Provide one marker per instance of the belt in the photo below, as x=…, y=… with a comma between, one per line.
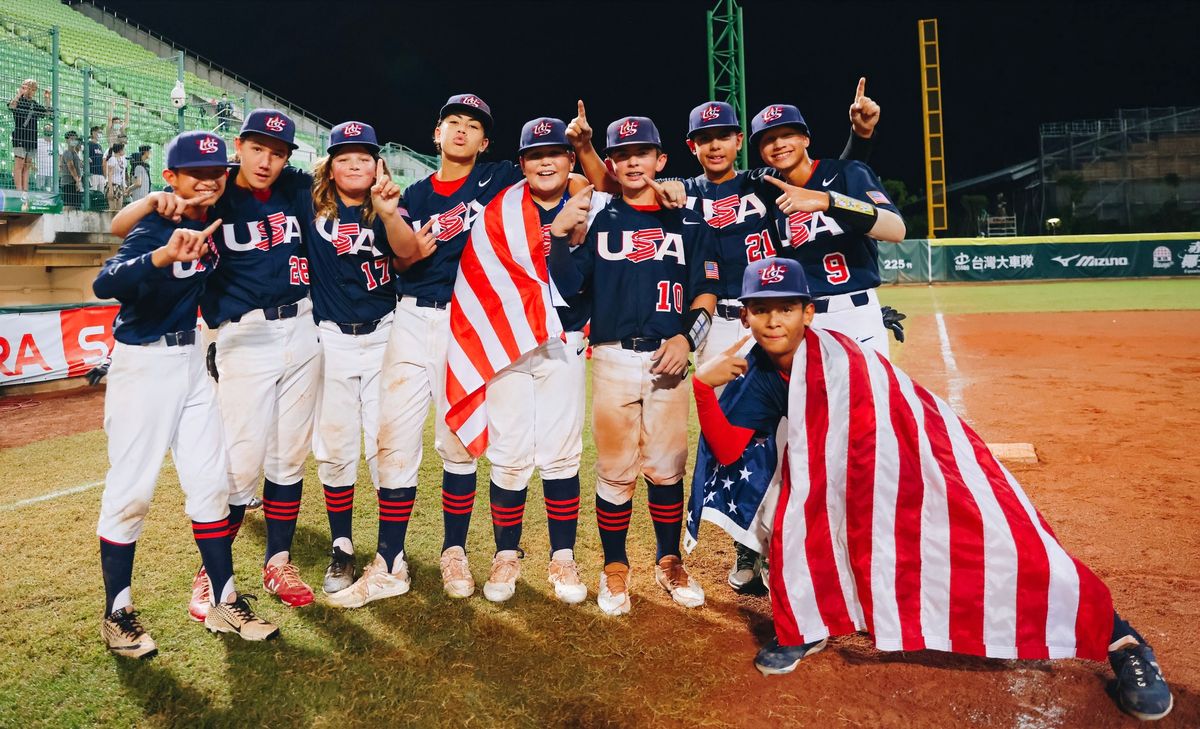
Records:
x=287, y=311
x=729, y=311
x=641, y=344
x=358, y=329
x=179, y=339
x=431, y=303
x=859, y=299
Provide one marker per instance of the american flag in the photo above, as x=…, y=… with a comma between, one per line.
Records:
x=711, y=271
x=501, y=308
x=895, y=518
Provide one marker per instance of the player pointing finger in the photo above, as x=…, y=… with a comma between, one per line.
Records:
x=724, y=368
x=579, y=131
x=864, y=112
x=797, y=199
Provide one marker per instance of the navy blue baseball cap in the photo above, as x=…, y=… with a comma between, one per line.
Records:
x=270, y=123
x=774, y=278
x=196, y=149
x=712, y=115
x=630, y=130
x=468, y=104
x=353, y=132
x=545, y=131
x=776, y=115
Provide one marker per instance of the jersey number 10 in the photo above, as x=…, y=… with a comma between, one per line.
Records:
x=669, y=294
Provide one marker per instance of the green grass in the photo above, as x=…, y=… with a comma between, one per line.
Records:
x=1105, y=295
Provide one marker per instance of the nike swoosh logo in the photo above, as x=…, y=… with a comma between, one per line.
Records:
x=831, y=179
x=690, y=222
x=867, y=339
x=484, y=183
x=579, y=351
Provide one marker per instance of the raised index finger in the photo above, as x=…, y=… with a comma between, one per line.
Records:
x=737, y=345
x=861, y=91
x=582, y=111
x=776, y=182
x=380, y=172
x=211, y=228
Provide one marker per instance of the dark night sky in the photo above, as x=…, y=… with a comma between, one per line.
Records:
x=1006, y=66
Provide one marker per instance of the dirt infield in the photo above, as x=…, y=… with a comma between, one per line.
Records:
x=1110, y=400
x=26, y=419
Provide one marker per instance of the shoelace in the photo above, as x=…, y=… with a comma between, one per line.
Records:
x=455, y=567
x=241, y=607
x=567, y=571
x=289, y=574
x=616, y=582
x=128, y=622
x=677, y=575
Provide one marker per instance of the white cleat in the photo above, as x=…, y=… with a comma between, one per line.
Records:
x=376, y=583
x=613, y=597
x=502, y=582
x=685, y=591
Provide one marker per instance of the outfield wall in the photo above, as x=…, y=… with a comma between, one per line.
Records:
x=1033, y=258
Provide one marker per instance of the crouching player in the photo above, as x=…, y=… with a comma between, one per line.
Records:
x=159, y=398
x=838, y=397
x=641, y=265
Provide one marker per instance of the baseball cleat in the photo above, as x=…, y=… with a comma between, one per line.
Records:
x=124, y=635
x=340, y=573
x=674, y=578
x=774, y=659
x=456, y=573
x=237, y=617
x=745, y=567
x=564, y=575
x=376, y=583
x=1141, y=690
x=282, y=579
x=613, y=597
x=201, y=596
x=254, y=503
x=502, y=582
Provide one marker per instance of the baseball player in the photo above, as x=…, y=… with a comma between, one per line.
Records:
x=778, y=309
x=353, y=300
x=535, y=406
x=268, y=357
x=158, y=398
x=829, y=216
x=642, y=266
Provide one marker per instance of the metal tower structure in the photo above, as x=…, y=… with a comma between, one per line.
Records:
x=931, y=105
x=727, y=63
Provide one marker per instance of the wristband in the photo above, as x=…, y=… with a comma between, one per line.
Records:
x=856, y=215
x=697, y=324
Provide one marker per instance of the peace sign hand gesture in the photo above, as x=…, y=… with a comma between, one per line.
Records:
x=184, y=245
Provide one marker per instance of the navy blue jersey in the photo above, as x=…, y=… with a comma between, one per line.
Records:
x=433, y=277
x=835, y=261
x=350, y=263
x=264, y=263
x=574, y=316
x=760, y=399
x=741, y=212
x=154, y=301
x=642, y=269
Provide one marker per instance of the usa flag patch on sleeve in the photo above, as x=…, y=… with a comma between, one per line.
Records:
x=878, y=197
x=711, y=271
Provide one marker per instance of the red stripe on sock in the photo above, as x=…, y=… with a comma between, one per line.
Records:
x=507, y=522
x=563, y=502
x=453, y=510
x=393, y=518
x=519, y=508
x=458, y=499
x=573, y=516
x=621, y=528
x=339, y=509
x=212, y=535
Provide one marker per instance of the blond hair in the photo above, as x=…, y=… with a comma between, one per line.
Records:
x=325, y=192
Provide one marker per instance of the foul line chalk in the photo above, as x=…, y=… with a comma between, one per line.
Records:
x=47, y=497
x=955, y=382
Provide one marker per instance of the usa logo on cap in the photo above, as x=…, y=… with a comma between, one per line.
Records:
x=208, y=145
x=628, y=128
x=275, y=124
x=472, y=101
x=710, y=113
x=541, y=129
x=352, y=130
x=771, y=113
x=772, y=274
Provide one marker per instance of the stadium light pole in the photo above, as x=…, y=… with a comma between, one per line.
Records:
x=727, y=62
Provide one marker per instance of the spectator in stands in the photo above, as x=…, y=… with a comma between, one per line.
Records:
x=114, y=176
x=44, y=170
x=224, y=114
x=140, y=164
x=26, y=112
x=95, y=160
x=118, y=128
x=70, y=172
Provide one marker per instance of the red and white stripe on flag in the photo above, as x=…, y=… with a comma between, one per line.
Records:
x=895, y=518
x=500, y=310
